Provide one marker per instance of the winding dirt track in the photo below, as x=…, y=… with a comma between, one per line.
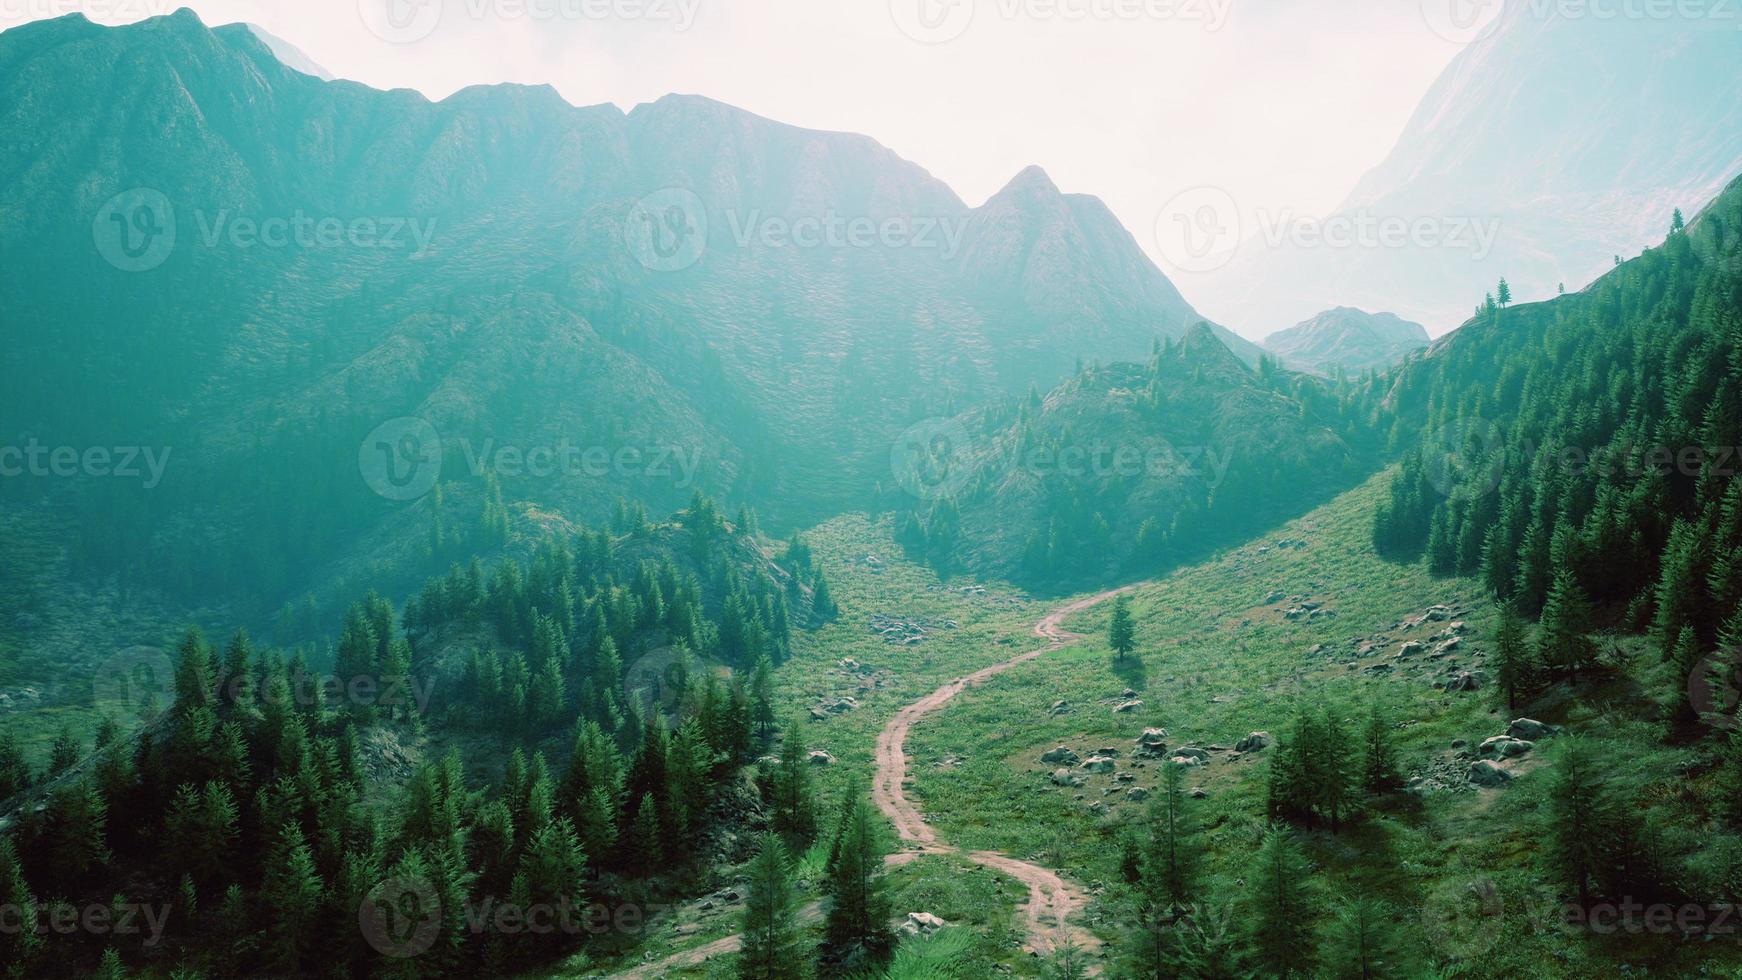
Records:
x=1052, y=901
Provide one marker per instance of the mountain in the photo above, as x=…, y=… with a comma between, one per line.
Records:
x=1131, y=467
x=316, y=271
x=1550, y=145
x=1347, y=339
x=287, y=53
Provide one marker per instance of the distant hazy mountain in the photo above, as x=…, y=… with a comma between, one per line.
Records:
x=286, y=52
x=1350, y=339
x=779, y=303
x=1570, y=139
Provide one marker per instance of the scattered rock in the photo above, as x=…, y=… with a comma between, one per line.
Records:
x=1468, y=680
x=1487, y=773
x=1059, y=708
x=818, y=757
x=1153, y=742
x=1137, y=794
x=1531, y=730
x=920, y=924
x=1098, y=764
x=1410, y=648
x=1275, y=597
x=1503, y=747
x=1252, y=742
x=1126, y=707
x=1437, y=614
x=1198, y=793
x=1061, y=756
x=1064, y=777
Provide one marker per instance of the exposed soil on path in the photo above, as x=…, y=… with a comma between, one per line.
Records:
x=1052, y=901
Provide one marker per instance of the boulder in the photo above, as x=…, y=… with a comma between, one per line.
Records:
x=1126, y=707
x=1098, y=764
x=1503, y=747
x=1137, y=794
x=1253, y=742
x=820, y=758
x=1153, y=742
x=1468, y=680
x=1438, y=614
x=1531, y=730
x=1410, y=648
x=1059, y=708
x=1060, y=756
x=920, y=924
x=1487, y=773
x=1064, y=777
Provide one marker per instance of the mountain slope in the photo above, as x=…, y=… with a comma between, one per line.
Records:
x=1347, y=339
x=1569, y=139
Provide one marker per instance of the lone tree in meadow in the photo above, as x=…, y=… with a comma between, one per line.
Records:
x=1122, y=632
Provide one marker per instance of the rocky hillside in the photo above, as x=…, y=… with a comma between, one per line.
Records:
x=1348, y=340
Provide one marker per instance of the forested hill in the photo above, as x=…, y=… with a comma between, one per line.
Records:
x=1584, y=448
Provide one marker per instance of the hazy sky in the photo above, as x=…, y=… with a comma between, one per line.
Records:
x=1282, y=103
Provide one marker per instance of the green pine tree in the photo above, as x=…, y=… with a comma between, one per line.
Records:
x=771, y=948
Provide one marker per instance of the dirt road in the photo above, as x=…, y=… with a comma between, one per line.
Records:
x=1052, y=901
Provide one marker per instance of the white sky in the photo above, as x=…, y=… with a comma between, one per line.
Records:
x=1282, y=103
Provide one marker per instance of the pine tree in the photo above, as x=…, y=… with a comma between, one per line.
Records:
x=195, y=672
x=856, y=933
x=762, y=697
x=793, y=799
x=1379, y=772
x=1282, y=907
x=771, y=940
x=1514, y=667
x=1563, y=642
x=1166, y=876
x=291, y=892
x=645, y=855
x=1360, y=941
x=1577, y=815
x=76, y=832
x=65, y=753
x=1121, y=631
x=15, y=774
x=19, y=941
